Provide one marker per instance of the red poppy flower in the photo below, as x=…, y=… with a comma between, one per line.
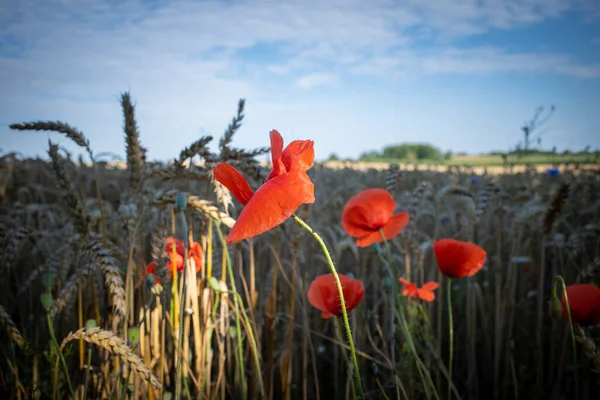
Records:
x=584, y=304
x=324, y=295
x=176, y=259
x=457, y=259
x=367, y=212
x=285, y=189
x=425, y=293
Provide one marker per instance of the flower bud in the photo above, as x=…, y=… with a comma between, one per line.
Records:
x=133, y=334
x=47, y=301
x=180, y=201
x=556, y=308
x=90, y=323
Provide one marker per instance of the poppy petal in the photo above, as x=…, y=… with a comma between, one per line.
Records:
x=299, y=154
x=429, y=286
x=584, y=304
x=276, y=152
x=404, y=281
x=367, y=211
x=323, y=294
x=395, y=225
x=458, y=259
x=315, y=294
x=426, y=295
x=273, y=203
x=231, y=178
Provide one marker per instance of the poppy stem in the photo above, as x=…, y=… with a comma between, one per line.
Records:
x=393, y=306
x=555, y=282
x=342, y=302
x=180, y=203
x=451, y=334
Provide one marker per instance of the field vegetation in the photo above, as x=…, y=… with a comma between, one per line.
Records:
x=120, y=283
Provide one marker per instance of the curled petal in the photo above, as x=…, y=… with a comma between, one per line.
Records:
x=299, y=154
x=234, y=181
x=458, y=259
x=367, y=211
x=272, y=204
x=279, y=167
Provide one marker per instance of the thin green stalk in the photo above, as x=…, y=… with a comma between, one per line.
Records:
x=451, y=334
x=420, y=366
x=403, y=322
x=555, y=281
x=87, y=371
x=393, y=306
x=60, y=354
x=180, y=203
x=342, y=302
x=338, y=332
x=237, y=306
x=215, y=285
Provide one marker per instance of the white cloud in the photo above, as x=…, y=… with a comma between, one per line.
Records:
x=315, y=80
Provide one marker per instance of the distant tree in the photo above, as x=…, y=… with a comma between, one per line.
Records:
x=532, y=126
x=448, y=155
x=333, y=157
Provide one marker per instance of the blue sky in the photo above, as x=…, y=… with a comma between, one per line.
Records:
x=353, y=75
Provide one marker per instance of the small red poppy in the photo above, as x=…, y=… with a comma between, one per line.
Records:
x=369, y=211
x=176, y=259
x=324, y=295
x=457, y=259
x=285, y=189
x=425, y=293
x=584, y=303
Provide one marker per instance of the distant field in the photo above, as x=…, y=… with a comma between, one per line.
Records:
x=492, y=160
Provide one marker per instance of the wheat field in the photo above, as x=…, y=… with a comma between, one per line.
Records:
x=79, y=317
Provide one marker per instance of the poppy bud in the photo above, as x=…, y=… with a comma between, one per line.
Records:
x=555, y=307
x=90, y=323
x=214, y=283
x=133, y=334
x=180, y=202
x=47, y=301
x=150, y=281
x=48, y=280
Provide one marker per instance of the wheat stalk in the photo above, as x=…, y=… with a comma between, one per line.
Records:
x=11, y=328
x=115, y=346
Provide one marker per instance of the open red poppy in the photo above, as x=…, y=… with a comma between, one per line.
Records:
x=324, y=295
x=285, y=189
x=176, y=259
x=425, y=293
x=584, y=304
x=457, y=259
x=369, y=211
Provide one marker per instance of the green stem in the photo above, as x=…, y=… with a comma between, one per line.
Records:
x=237, y=306
x=403, y=324
x=87, y=371
x=60, y=354
x=342, y=302
x=555, y=281
x=180, y=208
x=250, y=337
x=338, y=332
x=451, y=334
x=392, y=304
